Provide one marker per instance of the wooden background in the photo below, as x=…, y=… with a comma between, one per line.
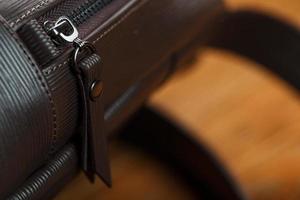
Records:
x=248, y=117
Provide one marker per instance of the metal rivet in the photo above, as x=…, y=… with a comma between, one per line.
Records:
x=96, y=90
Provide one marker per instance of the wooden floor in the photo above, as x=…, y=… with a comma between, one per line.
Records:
x=248, y=117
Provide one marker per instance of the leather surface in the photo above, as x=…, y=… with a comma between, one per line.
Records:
x=130, y=45
x=95, y=151
x=54, y=175
x=17, y=12
x=149, y=32
x=33, y=188
x=27, y=115
x=127, y=64
x=38, y=42
x=132, y=50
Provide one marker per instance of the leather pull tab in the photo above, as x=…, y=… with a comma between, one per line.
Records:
x=95, y=148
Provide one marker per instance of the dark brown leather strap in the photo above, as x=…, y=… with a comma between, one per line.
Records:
x=174, y=145
x=264, y=39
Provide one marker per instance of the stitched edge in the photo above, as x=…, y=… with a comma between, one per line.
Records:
x=56, y=67
x=112, y=27
x=29, y=12
x=42, y=83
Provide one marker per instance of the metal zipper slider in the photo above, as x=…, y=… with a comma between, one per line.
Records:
x=87, y=67
x=62, y=31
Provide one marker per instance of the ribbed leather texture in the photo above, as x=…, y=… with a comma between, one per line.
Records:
x=54, y=175
x=63, y=85
x=27, y=118
x=38, y=42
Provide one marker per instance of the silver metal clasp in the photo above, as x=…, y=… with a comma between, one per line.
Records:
x=63, y=30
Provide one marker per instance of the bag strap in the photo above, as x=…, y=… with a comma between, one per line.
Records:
x=264, y=39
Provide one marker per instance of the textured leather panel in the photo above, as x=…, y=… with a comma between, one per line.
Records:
x=38, y=42
x=27, y=119
x=62, y=83
x=56, y=173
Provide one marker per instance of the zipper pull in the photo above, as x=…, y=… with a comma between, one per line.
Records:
x=86, y=65
x=90, y=79
x=62, y=31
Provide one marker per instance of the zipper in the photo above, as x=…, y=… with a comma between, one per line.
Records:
x=84, y=12
x=86, y=65
x=77, y=14
x=43, y=44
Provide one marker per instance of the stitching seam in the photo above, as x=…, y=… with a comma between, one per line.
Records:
x=44, y=87
x=29, y=12
x=54, y=68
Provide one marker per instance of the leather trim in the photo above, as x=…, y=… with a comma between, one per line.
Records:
x=16, y=12
x=30, y=12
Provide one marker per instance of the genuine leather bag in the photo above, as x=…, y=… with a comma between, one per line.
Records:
x=53, y=115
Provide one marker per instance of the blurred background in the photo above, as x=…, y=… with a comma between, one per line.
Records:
x=246, y=116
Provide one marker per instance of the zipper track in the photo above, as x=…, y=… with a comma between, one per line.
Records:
x=78, y=14
x=87, y=10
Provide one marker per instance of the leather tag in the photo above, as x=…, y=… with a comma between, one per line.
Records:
x=95, y=148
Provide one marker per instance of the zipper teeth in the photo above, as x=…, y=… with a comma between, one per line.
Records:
x=75, y=10
x=87, y=10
